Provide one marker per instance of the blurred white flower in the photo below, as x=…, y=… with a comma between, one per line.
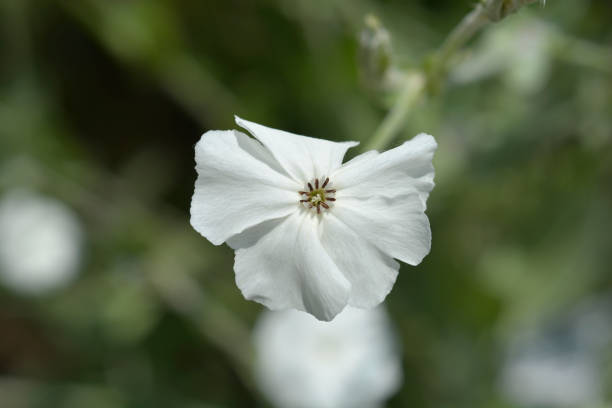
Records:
x=311, y=233
x=40, y=242
x=561, y=364
x=352, y=362
x=558, y=380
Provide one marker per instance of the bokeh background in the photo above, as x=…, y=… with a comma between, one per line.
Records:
x=102, y=102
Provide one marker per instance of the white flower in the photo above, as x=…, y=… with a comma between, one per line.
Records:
x=311, y=233
x=40, y=243
x=562, y=362
x=351, y=362
x=538, y=379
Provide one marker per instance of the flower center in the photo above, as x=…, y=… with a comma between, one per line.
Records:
x=318, y=196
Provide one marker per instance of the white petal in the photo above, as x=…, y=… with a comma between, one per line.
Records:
x=289, y=268
x=304, y=158
x=398, y=171
x=258, y=151
x=237, y=186
x=397, y=226
x=251, y=236
x=370, y=272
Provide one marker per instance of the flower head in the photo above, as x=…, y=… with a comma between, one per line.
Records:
x=40, y=243
x=311, y=233
x=350, y=362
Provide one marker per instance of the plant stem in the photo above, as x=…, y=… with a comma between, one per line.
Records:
x=217, y=324
x=584, y=53
x=485, y=12
x=413, y=88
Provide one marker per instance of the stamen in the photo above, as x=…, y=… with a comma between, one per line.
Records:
x=317, y=196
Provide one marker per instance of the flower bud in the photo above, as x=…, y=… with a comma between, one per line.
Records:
x=375, y=54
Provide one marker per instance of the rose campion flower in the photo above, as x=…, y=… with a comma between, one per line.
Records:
x=352, y=362
x=40, y=243
x=311, y=233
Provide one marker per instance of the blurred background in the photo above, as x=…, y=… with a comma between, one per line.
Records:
x=108, y=297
